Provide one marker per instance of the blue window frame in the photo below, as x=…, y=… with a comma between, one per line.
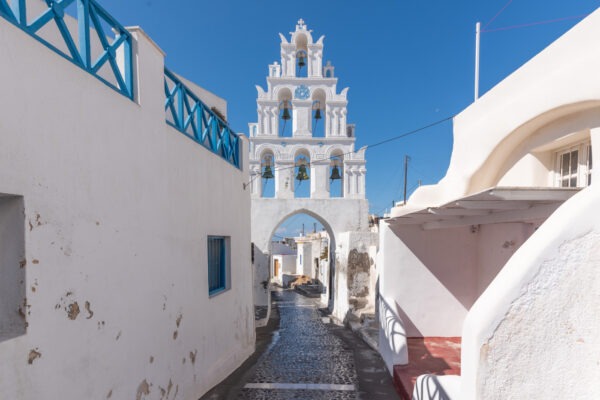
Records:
x=218, y=263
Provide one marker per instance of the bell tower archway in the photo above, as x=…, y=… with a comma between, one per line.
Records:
x=314, y=162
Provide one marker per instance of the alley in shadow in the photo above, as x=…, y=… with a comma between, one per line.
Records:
x=300, y=355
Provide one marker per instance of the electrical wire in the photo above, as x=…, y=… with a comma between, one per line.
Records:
x=497, y=14
x=550, y=21
x=393, y=138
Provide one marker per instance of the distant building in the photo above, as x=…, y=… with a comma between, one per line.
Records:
x=503, y=251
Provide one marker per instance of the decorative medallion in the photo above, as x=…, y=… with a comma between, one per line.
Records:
x=302, y=92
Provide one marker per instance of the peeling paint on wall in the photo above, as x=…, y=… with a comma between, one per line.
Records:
x=35, y=261
x=175, y=335
x=109, y=395
x=178, y=320
x=73, y=311
x=193, y=356
x=33, y=355
x=165, y=393
x=358, y=273
x=90, y=312
x=143, y=389
x=151, y=359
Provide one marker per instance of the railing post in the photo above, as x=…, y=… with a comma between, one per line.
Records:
x=127, y=65
x=19, y=9
x=180, y=94
x=83, y=22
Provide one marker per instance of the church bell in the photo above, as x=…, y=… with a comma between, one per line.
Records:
x=267, y=173
x=302, y=175
x=335, y=173
x=318, y=114
x=286, y=112
x=301, y=60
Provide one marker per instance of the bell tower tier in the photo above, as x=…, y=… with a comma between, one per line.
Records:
x=302, y=131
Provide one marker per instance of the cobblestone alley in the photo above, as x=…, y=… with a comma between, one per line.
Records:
x=307, y=358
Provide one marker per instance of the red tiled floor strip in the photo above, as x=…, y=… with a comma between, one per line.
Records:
x=430, y=355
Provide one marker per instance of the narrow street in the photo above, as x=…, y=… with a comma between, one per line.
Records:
x=300, y=355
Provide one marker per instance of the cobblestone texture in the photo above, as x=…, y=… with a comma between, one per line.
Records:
x=304, y=351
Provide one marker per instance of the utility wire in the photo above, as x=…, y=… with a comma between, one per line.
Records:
x=370, y=146
x=497, y=14
x=550, y=21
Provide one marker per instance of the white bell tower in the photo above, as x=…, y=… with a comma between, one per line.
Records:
x=301, y=98
x=302, y=151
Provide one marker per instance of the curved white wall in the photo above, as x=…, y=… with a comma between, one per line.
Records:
x=534, y=332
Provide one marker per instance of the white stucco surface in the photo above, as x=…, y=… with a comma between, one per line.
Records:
x=533, y=333
x=118, y=206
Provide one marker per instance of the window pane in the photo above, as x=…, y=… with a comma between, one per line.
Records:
x=573, y=182
x=565, y=161
x=216, y=263
x=574, y=161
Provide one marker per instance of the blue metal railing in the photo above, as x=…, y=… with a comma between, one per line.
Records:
x=189, y=115
x=90, y=18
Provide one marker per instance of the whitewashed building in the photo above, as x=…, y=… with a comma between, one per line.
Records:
x=302, y=131
x=121, y=274
x=504, y=250
x=283, y=261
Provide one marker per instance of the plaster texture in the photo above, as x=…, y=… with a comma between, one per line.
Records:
x=115, y=216
x=531, y=333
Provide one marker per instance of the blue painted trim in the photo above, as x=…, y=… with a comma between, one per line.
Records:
x=217, y=268
x=7, y=11
x=189, y=113
x=87, y=11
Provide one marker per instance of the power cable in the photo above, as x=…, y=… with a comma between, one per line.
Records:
x=550, y=21
x=393, y=138
x=497, y=14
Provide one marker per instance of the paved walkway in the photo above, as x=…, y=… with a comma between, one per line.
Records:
x=307, y=358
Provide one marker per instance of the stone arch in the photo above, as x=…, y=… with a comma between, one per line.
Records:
x=282, y=91
x=333, y=240
x=539, y=130
x=335, y=151
x=302, y=40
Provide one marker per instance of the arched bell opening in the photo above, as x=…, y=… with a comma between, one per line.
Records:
x=336, y=174
x=301, y=56
x=318, y=113
x=285, y=112
x=302, y=174
x=267, y=174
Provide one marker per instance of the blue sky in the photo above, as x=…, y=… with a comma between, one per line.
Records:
x=407, y=63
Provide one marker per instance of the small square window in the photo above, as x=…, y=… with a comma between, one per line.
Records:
x=218, y=264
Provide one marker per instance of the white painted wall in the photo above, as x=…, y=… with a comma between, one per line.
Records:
x=349, y=244
x=533, y=333
x=12, y=267
x=289, y=264
x=123, y=218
